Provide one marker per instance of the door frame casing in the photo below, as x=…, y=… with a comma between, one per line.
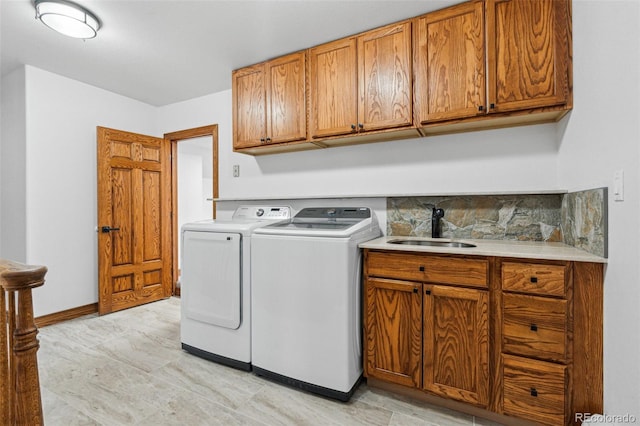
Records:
x=173, y=138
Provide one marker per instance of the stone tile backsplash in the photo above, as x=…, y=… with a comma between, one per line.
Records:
x=584, y=220
x=578, y=219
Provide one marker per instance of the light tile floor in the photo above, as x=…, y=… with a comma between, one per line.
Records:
x=127, y=368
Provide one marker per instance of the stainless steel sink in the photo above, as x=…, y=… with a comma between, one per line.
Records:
x=432, y=243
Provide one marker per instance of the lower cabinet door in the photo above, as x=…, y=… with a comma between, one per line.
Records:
x=456, y=343
x=393, y=325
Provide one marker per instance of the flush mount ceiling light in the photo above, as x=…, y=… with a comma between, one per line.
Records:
x=67, y=18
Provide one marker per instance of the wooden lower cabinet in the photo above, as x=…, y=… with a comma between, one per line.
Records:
x=394, y=326
x=522, y=340
x=456, y=343
x=535, y=390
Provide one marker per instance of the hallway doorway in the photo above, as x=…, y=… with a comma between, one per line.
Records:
x=194, y=182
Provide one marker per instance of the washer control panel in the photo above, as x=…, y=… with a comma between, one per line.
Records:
x=334, y=213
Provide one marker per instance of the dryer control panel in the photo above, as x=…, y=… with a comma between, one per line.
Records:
x=262, y=212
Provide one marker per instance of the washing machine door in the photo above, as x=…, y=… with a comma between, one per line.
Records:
x=210, y=282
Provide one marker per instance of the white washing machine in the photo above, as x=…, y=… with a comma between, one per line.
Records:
x=215, y=284
x=306, y=299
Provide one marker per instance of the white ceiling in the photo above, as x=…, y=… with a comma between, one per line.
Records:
x=166, y=51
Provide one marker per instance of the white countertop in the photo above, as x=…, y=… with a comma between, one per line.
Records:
x=500, y=248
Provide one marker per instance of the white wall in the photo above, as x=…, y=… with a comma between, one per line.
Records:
x=61, y=195
x=193, y=190
x=499, y=160
x=602, y=136
x=190, y=189
x=12, y=168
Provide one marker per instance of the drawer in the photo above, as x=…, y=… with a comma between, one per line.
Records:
x=427, y=268
x=548, y=280
x=534, y=326
x=534, y=390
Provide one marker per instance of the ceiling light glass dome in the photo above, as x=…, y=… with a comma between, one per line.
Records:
x=67, y=18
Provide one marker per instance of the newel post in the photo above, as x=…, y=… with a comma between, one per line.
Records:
x=21, y=396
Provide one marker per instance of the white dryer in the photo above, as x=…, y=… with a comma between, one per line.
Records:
x=215, y=284
x=306, y=299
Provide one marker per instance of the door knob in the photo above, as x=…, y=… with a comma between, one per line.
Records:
x=107, y=229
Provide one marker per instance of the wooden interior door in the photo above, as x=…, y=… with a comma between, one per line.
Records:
x=134, y=219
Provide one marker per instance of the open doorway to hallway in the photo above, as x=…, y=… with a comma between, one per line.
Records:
x=194, y=180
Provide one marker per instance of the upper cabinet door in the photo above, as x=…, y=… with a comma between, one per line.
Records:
x=450, y=63
x=529, y=45
x=384, y=78
x=333, y=88
x=249, y=107
x=286, y=99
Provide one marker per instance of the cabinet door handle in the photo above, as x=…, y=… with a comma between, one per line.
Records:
x=534, y=392
x=492, y=106
x=427, y=292
x=268, y=139
x=361, y=126
x=353, y=127
x=415, y=289
x=261, y=140
x=421, y=268
x=533, y=327
x=480, y=108
x=534, y=279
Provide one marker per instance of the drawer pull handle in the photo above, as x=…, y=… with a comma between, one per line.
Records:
x=534, y=392
x=415, y=289
x=534, y=279
x=427, y=292
x=422, y=269
x=534, y=327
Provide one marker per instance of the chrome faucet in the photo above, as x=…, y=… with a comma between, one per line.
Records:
x=436, y=215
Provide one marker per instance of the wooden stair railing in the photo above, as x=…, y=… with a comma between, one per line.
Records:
x=20, y=399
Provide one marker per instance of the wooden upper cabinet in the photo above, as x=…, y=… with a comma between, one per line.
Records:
x=492, y=57
x=450, y=63
x=478, y=64
x=269, y=102
x=362, y=83
x=249, y=108
x=529, y=49
x=333, y=84
x=384, y=78
x=286, y=98
x=456, y=343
